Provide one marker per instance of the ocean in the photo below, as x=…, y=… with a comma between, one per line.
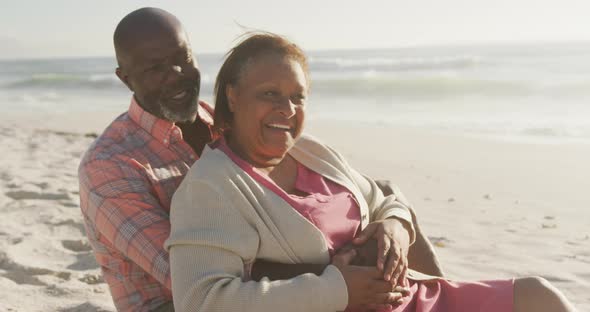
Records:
x=537, y=92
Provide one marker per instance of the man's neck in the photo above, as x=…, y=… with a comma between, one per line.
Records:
x=145, y=108
x=196, y=134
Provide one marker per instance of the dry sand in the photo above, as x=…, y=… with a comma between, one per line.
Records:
x=494, y=209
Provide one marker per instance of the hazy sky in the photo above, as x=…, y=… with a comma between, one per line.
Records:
x=62, y=28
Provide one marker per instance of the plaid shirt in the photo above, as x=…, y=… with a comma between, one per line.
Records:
x=127, y=179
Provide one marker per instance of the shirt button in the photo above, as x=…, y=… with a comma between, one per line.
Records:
x=165, y=140
x=192, y=157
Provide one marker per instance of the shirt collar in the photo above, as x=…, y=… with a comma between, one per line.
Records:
x=159, y=128
x=163, y=130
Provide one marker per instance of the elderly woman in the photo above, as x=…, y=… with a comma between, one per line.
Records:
x=266, y=192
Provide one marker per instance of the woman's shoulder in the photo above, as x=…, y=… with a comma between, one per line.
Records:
x=213, y=164
x=206, y=181
x=310, y=146
x=309, y=141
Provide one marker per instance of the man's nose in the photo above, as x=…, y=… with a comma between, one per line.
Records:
x=177, y=69
x=177, y=72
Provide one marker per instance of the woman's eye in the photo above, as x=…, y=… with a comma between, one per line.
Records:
x=298, y=99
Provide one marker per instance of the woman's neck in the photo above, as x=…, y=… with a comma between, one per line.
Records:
x=281, y=170
x=261, y=162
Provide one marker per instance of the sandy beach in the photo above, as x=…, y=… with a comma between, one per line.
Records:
x=494, y=209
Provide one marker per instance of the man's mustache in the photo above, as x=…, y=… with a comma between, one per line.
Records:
x=190, y=85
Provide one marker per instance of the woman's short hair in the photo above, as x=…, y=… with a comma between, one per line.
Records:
x=252, y=46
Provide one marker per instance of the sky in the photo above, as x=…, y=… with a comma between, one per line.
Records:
x=74, y=28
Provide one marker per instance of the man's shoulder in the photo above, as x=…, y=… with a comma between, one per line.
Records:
x=206, y=112
x=118, y=140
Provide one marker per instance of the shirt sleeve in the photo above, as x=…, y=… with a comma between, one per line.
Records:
x=120, y=207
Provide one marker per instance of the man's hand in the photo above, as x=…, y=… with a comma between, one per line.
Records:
x=364, y=284
x=393, y=243
x=422, y=256
x=367, y=254
x=275, y=271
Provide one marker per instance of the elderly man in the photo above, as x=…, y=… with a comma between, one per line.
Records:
x=129, y=174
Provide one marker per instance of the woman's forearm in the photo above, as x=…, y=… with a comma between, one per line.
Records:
x=208, y=279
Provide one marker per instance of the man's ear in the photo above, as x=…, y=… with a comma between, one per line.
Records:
x=230, y=93
x=123, y=77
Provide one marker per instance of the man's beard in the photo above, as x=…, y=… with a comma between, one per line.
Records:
x=185, y=114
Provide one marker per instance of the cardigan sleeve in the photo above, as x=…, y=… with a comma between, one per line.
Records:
x=210, y=245
x=381, y=207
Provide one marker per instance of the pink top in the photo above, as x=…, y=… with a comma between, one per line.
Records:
x=334, y=211
x=329, y=206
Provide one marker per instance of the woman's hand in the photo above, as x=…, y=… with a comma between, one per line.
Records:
x=393, y=243
x=364, y=284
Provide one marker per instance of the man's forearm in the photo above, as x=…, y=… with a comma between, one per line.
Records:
x=280, y=271
x=421, y=256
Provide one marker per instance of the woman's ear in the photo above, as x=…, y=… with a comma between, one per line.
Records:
x=230, y=93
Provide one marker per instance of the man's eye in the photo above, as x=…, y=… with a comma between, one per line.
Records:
x=157, y=68
x=270, y=93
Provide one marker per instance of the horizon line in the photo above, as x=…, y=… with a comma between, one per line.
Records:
x=498, y=43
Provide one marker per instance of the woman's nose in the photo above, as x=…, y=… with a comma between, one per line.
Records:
x=286, y=107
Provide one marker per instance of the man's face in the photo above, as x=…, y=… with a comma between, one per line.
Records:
x=163, y=75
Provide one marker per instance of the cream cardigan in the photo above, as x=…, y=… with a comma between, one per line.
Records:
x=222, y=220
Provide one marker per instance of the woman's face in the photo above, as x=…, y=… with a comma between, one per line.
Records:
x=268, y=105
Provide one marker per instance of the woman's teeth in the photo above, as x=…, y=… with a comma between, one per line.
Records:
x=277, y=126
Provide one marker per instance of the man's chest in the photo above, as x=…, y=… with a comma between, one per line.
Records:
x=165, y=169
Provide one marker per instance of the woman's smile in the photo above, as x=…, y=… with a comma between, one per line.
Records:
x=268, y=106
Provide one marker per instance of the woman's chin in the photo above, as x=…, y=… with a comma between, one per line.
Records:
x=275, y=154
